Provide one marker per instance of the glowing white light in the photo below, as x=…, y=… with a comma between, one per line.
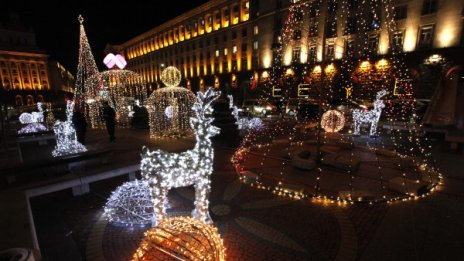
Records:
x=164, y=170
x=33, y=120
x=371, y=117
x=66, y=140
x=111, y=60
x=130, y=204
x=244, y=123
x=169, y=112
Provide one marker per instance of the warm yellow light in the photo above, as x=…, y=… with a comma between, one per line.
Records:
x=330, y=69
x=265, y=75
x=317, y=69
x=382, y=65
x=410, y=40
x=289, y=72
x=365, y=66
x=267, y=59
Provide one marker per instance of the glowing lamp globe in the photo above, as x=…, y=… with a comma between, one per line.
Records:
x=130, y=204
x=171, y=76
x=181, y=238
x=332, y=121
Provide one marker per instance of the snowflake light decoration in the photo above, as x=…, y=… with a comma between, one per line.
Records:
x=66, y=140
x=371, y=117
x=33, y=120
x=332, y=121
x=170, y=108
x=130, y=204
x=164, y=170
x=181, y=238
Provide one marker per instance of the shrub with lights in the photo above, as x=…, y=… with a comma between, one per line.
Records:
x=33, y=121
x=170, y=108
x=163, y=170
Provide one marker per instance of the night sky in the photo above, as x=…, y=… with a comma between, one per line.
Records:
x=57, y=28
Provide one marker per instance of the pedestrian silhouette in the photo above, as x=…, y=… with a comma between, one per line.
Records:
x=80, y=125
x=109, y=115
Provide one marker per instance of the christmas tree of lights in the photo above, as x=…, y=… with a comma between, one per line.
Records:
x=86, y=67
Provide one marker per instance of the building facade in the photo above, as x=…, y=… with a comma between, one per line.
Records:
x=232, y=43
x=26, y=72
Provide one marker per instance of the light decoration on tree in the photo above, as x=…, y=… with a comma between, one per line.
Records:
x=33, y=120
x=86, y=68
x=66, y=140
x=130, y=204
x=50, y=119
x=181, y=238
x=120, y=88
x=170, y=108
x=244, y=123
x=371, y=117
x=164, y=170
x=332, y=121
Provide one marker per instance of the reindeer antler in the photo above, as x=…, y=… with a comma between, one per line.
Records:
x=204, y=100
x=380, y=94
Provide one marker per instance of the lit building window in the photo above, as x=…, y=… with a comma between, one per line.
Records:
x=234, y=49
x=255, y=45
x=226, y=51
x=401, y=12
x=425, y=36
x=373, y=42
x=330, y=54
x=217, y=53
x=255, y=30
x=398, y=38
x=296, y=55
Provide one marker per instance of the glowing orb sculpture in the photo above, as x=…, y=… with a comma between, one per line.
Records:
x=332, y=121
x=66, y=140
x=171, y=76
x=164, y=170
x=170, y=108
x=130, y=204
x=371, y=117
x=181, y=238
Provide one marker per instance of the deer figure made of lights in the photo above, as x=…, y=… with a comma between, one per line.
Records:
x=66, y=141
x=372, y=116
x=164, y=170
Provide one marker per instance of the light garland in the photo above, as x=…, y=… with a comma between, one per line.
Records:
x=371, y=117
x=121, y=88
x=332, y=121
x=130, y=204
x=181, y=238
x=244, y=123
x=170, y=108
x=33, y=120
x=66, y=140
x=164, y=170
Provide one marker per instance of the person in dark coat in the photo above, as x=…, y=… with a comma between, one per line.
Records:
x=80, y=125
x=109, y=115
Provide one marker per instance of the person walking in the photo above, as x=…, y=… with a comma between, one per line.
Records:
x=80, y=125
x=109, y=115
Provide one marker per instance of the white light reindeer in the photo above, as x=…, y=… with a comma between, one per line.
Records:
x=164, y=170
x=372, y=116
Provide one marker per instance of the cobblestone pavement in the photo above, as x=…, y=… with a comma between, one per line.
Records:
x=256, y=225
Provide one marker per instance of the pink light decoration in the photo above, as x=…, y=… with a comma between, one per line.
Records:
x=111, y=60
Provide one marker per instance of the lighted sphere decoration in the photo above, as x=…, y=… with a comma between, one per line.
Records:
x=130, y=204
x=181, y=238
x=332, y=121
x=170, y=108
x=121, y=88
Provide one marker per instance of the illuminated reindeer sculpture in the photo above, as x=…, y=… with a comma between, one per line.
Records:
x=164, y=170
x=372, y=116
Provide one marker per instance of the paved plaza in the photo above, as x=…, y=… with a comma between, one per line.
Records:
x=256, y=224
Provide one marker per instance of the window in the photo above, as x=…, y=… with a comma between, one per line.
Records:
x=234, y=35
x=244, y=32
x=296, y=53
x=332, y=6
x=350, y=47
x=225, y=66
x=224, y=38
x=312, y=12
x=425, y=36
x=234, y=65
x=351, y=25
x=352, y=4
x=312, y=30
x=373, y=42
x=429, y=7
x=312, y=55
x=217, y=53
x=234, y=49
x=401, y=12
x=331, y=29
x=244, y=48
x=255, y=45
x=398, y=40
x=330, y=51
x=244, y=64
x=297, y=35
x=255, y=30
x=299, y=16
x=226, y=51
